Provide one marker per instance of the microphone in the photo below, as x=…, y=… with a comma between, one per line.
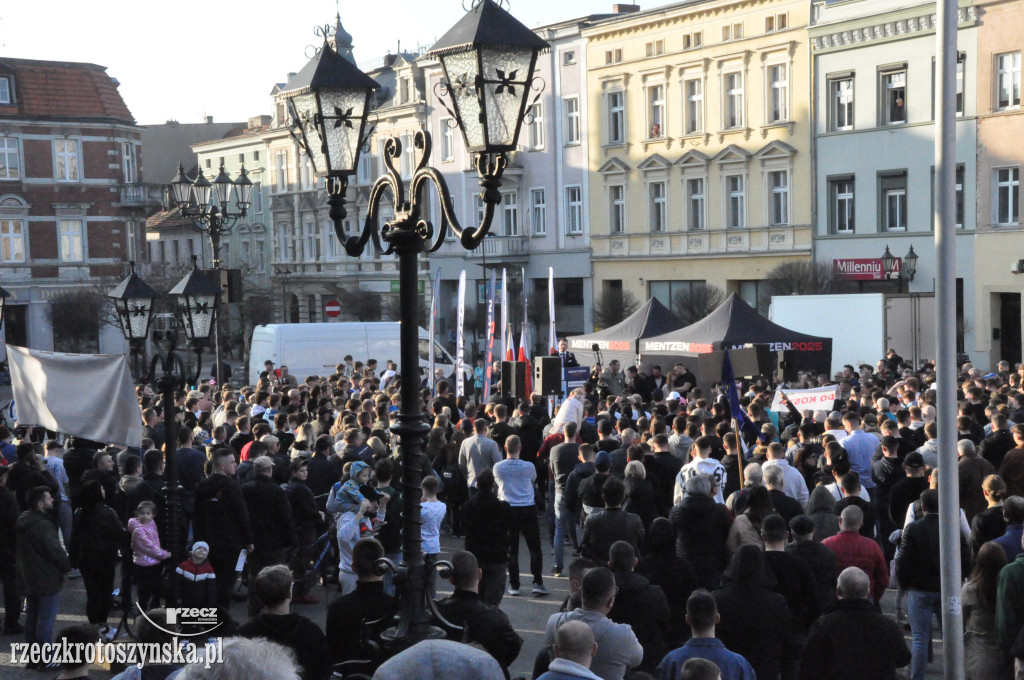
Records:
x=597, y=353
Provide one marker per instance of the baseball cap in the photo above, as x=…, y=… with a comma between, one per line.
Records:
x=602, y=460
x=914, y=459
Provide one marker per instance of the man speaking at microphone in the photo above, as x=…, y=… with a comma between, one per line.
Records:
x=568, y=358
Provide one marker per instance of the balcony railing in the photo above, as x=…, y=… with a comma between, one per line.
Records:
x=513, y=247
x=142, y=195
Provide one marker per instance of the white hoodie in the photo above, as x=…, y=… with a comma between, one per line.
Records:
x=700, y=466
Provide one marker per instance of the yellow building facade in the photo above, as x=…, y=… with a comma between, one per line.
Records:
x=700, y=138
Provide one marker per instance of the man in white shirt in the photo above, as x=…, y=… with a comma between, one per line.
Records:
x=515, y=479
x=795, y=485
x=352, y=526
x=702, y=464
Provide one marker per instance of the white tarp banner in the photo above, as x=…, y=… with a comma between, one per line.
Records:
x=818, y=399
x=86, y=395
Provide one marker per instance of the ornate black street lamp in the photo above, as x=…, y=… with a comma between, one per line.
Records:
x=910, y=264
x=488, y=60
x=196, y=298
x=908, y=267
x=214, y=218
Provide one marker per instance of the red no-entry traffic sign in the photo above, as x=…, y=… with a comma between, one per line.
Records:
x=332, y=308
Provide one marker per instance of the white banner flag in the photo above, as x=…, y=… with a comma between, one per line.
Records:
x=506, y=340
x=551, y=310
x=435, y=294
x=52, y=389
x=818, y=399
x=460, y=342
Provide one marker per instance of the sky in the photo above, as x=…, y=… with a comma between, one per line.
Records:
x=186, y=59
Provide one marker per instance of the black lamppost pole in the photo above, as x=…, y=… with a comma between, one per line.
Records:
x=284, y=273
x=488, y=59
x=192, y=198
x=196, y=297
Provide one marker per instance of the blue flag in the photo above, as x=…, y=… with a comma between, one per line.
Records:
x=729, y=380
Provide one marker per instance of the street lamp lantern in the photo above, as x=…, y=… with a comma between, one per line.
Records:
x=133, y=299
x=181, y=187
x=243, y=191
x=201, y=189
x=910, y=264
x=888, y=263
x=197, y=296
x=329, y=102
x=222, y=186
x=488, y=59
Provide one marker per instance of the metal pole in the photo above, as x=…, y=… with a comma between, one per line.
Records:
x=166, y=385
x=215, y=224
x=414, y=620
x=945, y=364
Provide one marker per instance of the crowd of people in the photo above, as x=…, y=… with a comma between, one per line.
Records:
x=695, y=545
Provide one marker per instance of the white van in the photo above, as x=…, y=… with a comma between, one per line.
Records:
x=316, y=348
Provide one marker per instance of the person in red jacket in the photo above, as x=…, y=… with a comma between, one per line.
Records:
x=854, y=550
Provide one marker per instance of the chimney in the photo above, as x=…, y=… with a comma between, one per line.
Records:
x=209, y=120
x=625, y=9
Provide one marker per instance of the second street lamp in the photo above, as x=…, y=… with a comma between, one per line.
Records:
x=214, y=218
x=488, y=59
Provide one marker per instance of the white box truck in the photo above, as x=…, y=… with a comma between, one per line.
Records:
x=316, y=348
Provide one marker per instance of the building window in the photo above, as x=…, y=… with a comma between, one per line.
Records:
x=656, y=111
x=781, y=22
x=613, y=56
x=306, y=170
x=695, y=204
x=572, y=120
x=537, y=126
x=894, y=97
x=281, y=175
x=67, y=159
x=12, y=241
x=655, y=48
x=478, y=208
x=130, y=228
x=405, y=93
x=569, y=57
x=841, y=205
x=538, y=212
x=736, y=198
x=10, y=163
x=129, y=163
x=778, y=182
x=732, y=32
x=733, y=100
x=840, y=108
x=310, y=242
x=1007, y=201
x=959, y=196
x=657, y=206
x=726, y=33
x=257, y=197
x=778, y=93
x=447, y=139
x=573, y=210
x=1008, y=80
x=6, y=91
x=893, y=189
x=616, y=117
x=72, y=241
x=769, y=24
x=510, y=213
x=617, y=208
x=694, y=106
x=406, y=160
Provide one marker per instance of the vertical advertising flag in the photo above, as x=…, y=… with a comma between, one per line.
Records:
x=489, y=343
x=551, y=310
x=434, y=297
x=524, y=339
x=506, y=336
x=460, y=342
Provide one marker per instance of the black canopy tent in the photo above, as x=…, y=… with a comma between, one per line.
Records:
x=736, y=324
x=622, y=340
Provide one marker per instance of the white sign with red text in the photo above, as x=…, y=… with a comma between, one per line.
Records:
x=818, y=399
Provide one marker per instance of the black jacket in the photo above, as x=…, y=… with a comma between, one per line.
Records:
x=917, y=563
x=270, y=514
x=530, y=435
x=564, y=458
x=321, y=478
x=305, y=516
x=678, y=580
x=994, y=447
x=640, y=500
x=755, y=624
x=486, y=521
x=297, y=633
x=345, y=617
x=852, y=642
x=484, y=624
x=8, y=521
x=702, y=527
x=824, y=569
x=795, y=582
x=645, y=608
x=221, y=517
x=97, y=536
x=573, y=498
x=604, y=528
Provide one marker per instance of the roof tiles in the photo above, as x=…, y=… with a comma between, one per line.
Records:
x=62, y=90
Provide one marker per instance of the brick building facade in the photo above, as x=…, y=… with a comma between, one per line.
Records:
x=72, y=205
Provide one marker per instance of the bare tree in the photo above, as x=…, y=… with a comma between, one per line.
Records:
x=802, y=277
x=75, y=316
x=612, y=306
x=696, y=303
x=361, y=306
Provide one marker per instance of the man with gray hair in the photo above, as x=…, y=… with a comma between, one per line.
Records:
x=854, y=550
x=753, y=476
x=795, y=486
x=775, y=480
x=620, y=455
x=854, y=635
x=702, y=527
x=244, y=658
